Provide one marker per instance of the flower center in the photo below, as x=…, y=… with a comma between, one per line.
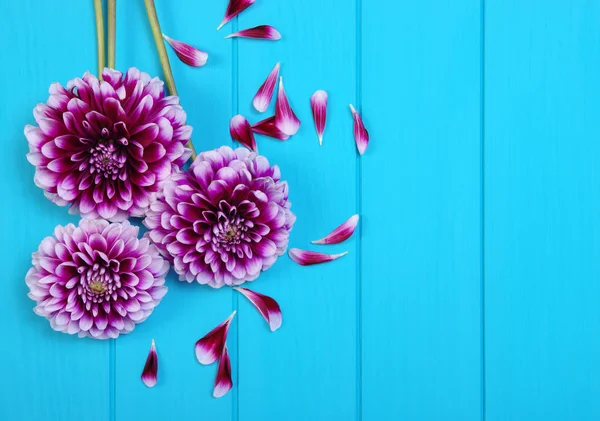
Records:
x=97, y=287
x=99, y=281
x=106, y=159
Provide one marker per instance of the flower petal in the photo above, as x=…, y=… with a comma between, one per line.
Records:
x=267, y=307
x=240, y=130
x=210, y=347
x=361, y=135
x=318, y=104
x=260, y=32
x=186, y=53
x=262, y=99
x=285, y=119
x=223, y=381
x=267, y=127
x=306, y=257
x=341, y=233
x=150, y=372
x=234, y=8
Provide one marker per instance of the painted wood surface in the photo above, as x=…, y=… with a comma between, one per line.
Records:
x=470, y=291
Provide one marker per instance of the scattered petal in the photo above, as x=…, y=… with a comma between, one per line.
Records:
x=267, y=127
x=241, y=131
x=186, y=53
x=262, y=99
x=306, y=257
x=318, y=103
x=210, y=347
x=234, y=8
x=261, y=32
x=151, y=367
x=361, y=135
x=341, y=233
x=267, y=307
x=285, y=119
x=223, y=381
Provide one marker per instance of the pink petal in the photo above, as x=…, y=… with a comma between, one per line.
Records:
x=261, y=32
x=240, y=130
x=318, y=103
x=267, y=127
x=361, y=135
x=151, y=367
x=306, y=258
x=341, y=233
x=186, y=53
x=234, y=8
x=223, y=381
x=210, y=347
x=262, y=99
x=285, y=119
x=267, y=307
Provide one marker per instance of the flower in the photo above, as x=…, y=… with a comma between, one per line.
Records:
x=107, y=147
x=97, y=279
x=224, y=220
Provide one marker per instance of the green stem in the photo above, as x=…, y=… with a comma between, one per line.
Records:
x=163, y=57
x=112, y=30
x=99, y=36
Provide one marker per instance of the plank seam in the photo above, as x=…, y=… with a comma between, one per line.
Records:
x=235, y=411
x=112, y=374
x=358, y=316
x=482, y=204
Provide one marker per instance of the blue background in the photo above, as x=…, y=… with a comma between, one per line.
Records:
x=471, y=291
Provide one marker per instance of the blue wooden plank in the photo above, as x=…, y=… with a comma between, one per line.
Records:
x=421, y=210
x=184, y=389
x=47, y=375
x=541, y=210
x=306, y=369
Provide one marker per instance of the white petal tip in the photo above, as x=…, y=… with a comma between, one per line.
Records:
x=320, y=140
x=352, y=109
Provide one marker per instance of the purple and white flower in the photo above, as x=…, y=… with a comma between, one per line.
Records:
x=106, y=147
x=97, y=279
x=224, y=220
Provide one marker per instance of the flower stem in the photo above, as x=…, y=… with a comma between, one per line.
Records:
x=163, y=57
x=112, y=30
x=99, y=35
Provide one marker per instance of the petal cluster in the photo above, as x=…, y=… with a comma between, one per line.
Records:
x=106, y=147
x=224, y=220
x=97, y=279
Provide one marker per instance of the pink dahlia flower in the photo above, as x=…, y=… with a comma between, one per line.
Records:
x=97, y=279
x=106, y=147
x=224, y=220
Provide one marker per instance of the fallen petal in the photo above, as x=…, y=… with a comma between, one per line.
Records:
x=186, y=53
x=262, y=99
x=240, y=130
x=341, y=233
x=306, y=257
x=151, y=367
x=223, y=381
x=267, y=127
x=234, y=8
x=318, y=103
x=267, y=307
x=361, y=135
x=261, y=32
x=210, y=347
x=285, y=119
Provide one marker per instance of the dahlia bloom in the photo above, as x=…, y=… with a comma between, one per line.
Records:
x=105, y=148
x=224, y=220
x=97, y=279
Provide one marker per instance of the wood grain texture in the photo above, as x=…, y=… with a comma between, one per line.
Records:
x=542, y=226
x=454, y=94
x=421, y=211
